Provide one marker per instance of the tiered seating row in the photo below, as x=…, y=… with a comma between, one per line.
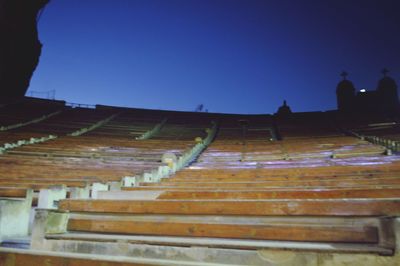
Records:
x=246, y=187
x=376, y=129
x=315, y=189
x=26, y=110
x=79, y=166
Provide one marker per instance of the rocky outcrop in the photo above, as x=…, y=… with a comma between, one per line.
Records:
x=20, y=47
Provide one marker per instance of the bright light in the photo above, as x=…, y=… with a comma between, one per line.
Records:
x=362, y=90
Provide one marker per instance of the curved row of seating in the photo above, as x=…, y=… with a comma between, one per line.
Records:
x=264, y=185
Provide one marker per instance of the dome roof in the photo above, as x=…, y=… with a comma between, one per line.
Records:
x=284, y=109
x=387, y=83
x=345, y=86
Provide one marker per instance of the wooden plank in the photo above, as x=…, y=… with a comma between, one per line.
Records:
x=305, y=171
x=13, y=192
x=367, y=234
x=43, y=180
x=216, y=178
x=15, y=257
x=284, y=194
x=41, y=184
x=244, y=207
x=288, y=187
x=266, y=184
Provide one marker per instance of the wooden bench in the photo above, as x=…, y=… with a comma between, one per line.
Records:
x=357, y=225
x=13, y=192
x=372, y=193
x=339, y=207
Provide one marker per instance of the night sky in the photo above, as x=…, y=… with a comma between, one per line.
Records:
x=232, y=56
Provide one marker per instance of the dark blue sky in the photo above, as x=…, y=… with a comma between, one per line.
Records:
x=232, y=56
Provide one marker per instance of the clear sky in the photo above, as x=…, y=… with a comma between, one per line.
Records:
x=232, y=56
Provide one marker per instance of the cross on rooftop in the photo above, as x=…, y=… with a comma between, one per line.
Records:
x=344, y=74
x=385, y=71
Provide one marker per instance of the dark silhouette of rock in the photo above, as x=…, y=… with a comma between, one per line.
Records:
x=20, y=47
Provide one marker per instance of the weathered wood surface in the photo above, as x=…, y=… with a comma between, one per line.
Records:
x=333, y=170
x=363, y=207
x=12, y=192
x=285, y=194
x=39, y=184
x=250, y=175
x=300, y=183
x=241, y=188
x=367, y=234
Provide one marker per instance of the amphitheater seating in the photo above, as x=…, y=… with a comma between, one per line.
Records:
x=223, y=226
x=377, y=129
x=105, y=154
x=247, y=188
x=26, y=110
x=298, y=183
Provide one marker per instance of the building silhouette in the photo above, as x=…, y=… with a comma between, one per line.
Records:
x=382, y=100
x=284, y=110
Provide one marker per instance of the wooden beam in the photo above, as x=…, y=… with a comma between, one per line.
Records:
x=305, y=171
x=288, y=187
x=273, y=183
x=284, y=194
x=13, y=192
x=295, y=178
x=41, y=184
x=367, y=234
x=244, y=207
